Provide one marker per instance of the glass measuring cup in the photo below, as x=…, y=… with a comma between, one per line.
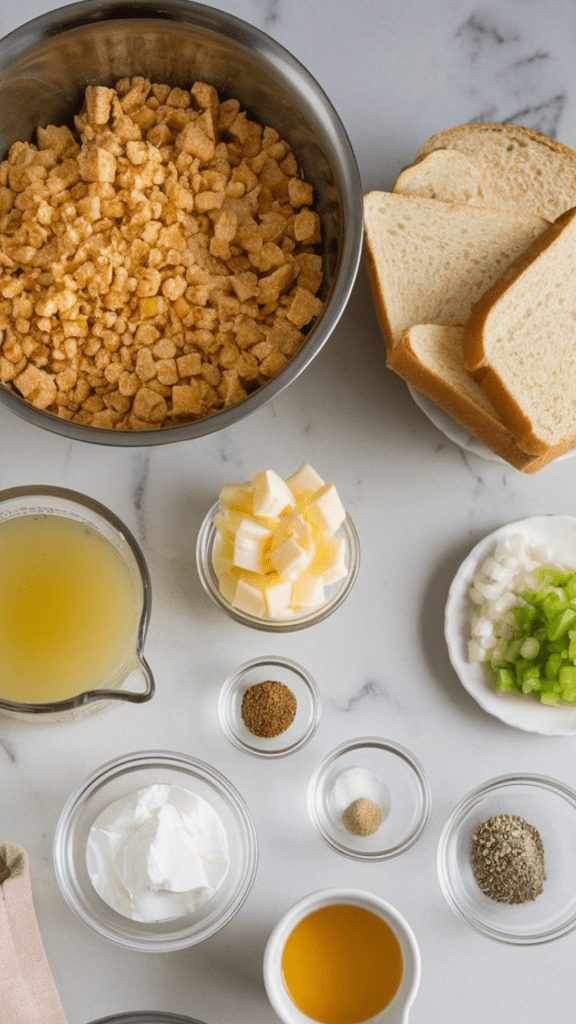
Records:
x=51, y=539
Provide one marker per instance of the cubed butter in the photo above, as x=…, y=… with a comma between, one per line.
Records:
x=249, y=545
x=238, y=496
x=307, y=591
x=271, y=494
x=290, y=558
x=325, y=509
x=249, y=598
x=305, y=480
x=276, y=548
x=277, y=597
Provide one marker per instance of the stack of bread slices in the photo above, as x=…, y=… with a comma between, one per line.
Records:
x=472, y=262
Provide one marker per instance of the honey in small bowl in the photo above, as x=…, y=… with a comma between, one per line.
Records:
x=342, y=956
x=342, y=964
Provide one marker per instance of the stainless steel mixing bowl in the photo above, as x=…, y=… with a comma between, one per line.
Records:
x=45, y=66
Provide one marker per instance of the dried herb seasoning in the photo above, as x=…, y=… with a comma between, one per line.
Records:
x=508, y=859
x=268, y=708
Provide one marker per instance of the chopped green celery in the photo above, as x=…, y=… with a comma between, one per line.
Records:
x=559, y=624
x=551, y=575
x=530, y=648
x=504, y=679
x=567, y=680
x=531, y=682
x=524, y=615
x=536, y=646
x=552, y=604
x=572, y=645
x=553, y=665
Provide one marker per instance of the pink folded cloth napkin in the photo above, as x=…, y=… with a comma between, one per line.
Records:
x=27, y=991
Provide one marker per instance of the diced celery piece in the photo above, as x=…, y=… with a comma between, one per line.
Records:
x=567, y=679
x=504, y=679
x=560, y=623
x=552, y=604
x=553, y=665
x=524, y=615
x=530, y=648
x=531, y=680
x=551, y=575
x=572, y=645
x=551, y=698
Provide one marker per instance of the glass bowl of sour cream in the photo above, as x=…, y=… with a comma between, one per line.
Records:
x=155, y=851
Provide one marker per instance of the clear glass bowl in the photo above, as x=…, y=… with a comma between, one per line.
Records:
x=118, y=778
x=383, y=772
x=259, y=670
x=337, y=593
x=147, y=1017
x=548, y=805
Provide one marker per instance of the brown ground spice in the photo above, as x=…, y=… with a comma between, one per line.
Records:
x=268, y=708
x=362, y=817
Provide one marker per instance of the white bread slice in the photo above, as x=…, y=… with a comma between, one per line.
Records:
x=430, y=358
x=429, y=261
x=520, y=342
x=536, y=174
x=451, y=176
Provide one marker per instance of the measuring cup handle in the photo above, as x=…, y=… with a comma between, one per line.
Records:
x=135, y=696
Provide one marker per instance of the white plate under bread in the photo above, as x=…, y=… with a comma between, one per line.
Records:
x=458, y=435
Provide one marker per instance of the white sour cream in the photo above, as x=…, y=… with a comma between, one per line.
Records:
x=159, y=853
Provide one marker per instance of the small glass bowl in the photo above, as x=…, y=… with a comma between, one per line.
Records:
x=337, y=593
x=383, y=772
x=147, y=1017
x=548, y=805
x=117, y=779
x=293, y=676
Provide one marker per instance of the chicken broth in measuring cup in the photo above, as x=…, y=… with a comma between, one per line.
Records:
x=69, y=609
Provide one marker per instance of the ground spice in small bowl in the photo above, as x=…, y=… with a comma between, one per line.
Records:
x=508, y=859
x=362, y=817
x=268, y=708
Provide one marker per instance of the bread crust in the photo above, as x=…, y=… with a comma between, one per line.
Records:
x=476, y=417
x=549, y=186
x=477, y=359
x=516, y=130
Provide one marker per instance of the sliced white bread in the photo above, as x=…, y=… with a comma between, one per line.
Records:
x=452, y=176
x=429, y=261
x=430, y=358
x=535, y=173
x=520, y=342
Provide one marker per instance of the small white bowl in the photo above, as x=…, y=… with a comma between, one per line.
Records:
x=382, y=771
x=117, y=779
x=520, y=711
x=548, y=805
x=397, y=1011
x=306, y=719
x=336, y=594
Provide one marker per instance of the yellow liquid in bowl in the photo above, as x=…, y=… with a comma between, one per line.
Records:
x=69, y=609
x=342, y=964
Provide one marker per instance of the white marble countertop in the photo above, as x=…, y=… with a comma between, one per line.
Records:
x=396, y=73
